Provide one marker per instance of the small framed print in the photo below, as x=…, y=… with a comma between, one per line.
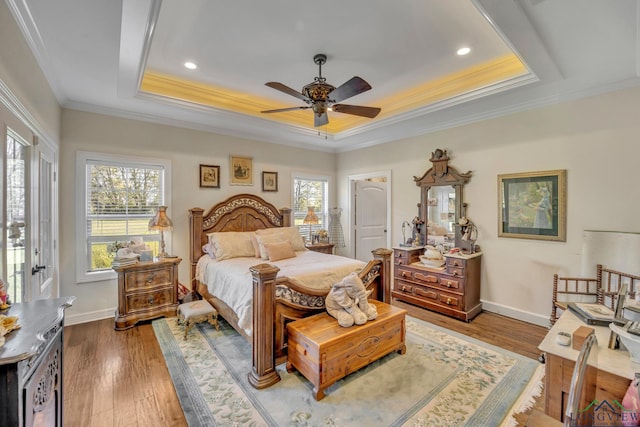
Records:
x=269, y=181
x=209, y=176
x=241, y=170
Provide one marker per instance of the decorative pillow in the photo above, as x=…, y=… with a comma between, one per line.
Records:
x=208, y=249
x=291, y=234
x=279, y=250
x=269, y=238
x=231, y=244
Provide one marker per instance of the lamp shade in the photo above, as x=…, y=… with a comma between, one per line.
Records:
x=161, y=221
x=311, y=218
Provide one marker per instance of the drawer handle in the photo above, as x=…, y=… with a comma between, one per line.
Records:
x=398, y=255
x=150, y=278
x=150, y=301
x=449, y=284
x=455, y=273
x=404, y=274
x=456, y=263
x=448, y=301
x=404, y=288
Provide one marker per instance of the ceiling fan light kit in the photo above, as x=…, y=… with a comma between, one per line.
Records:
x=320, y=96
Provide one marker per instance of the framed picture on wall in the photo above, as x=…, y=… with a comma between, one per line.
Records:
x=532, y=205
x=209, y=176
x=241, y=170
x=269, y=181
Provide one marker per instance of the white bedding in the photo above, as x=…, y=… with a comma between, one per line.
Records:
x=230, y=280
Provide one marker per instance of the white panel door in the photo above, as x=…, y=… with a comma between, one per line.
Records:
x=370, y=228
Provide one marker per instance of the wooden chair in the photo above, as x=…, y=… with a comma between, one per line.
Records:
x=602, y=289
x=610, y=282
x=572, y=289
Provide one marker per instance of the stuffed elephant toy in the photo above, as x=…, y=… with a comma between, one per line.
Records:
x=347, y=302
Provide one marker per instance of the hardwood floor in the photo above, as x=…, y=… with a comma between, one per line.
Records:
x=119, y=378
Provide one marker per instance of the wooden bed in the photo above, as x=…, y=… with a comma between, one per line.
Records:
x=247, y=212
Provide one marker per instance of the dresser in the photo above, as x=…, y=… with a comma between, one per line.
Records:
x=453, y=290
x=31, y=365
x=146, y=290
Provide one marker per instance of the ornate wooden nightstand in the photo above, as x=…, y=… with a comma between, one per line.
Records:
x=146, y=290
x=325, y=248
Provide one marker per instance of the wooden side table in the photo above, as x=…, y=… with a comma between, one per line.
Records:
x=325, y=248
x=146, y=290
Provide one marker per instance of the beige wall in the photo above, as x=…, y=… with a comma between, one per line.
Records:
x=186, y=149
x=21, y=73
x=594, y=139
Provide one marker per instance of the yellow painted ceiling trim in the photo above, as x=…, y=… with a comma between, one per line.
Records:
x=455, y=84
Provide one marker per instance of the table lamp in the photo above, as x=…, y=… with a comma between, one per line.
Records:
x=161, y=222
x=310, y=219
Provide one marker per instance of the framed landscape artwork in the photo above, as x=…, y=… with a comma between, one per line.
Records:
x=532, y=205
x=241, y=170
x=269, y=181
x=209, y=176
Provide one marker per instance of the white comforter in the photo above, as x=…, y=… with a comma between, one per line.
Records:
x=230, y=280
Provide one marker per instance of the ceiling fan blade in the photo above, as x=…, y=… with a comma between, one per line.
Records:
x=351, y=88
x=320, y=120
x=286, y=89
x=356, y=110
x=280, y=110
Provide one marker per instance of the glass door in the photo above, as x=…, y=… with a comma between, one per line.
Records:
x=16, y=217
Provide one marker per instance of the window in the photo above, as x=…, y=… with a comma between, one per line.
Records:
x=16, y=211
x=117, y=198
x=310, y=192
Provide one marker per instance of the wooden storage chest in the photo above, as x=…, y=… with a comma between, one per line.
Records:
x=325, y=352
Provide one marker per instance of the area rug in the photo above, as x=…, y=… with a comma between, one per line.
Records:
x=444, y=379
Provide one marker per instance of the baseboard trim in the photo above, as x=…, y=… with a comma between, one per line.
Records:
x=525, y=316
x=493, y=307
x=75, y=319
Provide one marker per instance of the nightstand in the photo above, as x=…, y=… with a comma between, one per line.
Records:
x=146, y=290
x=325, y=248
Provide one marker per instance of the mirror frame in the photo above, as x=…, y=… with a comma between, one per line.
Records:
x=441, y=173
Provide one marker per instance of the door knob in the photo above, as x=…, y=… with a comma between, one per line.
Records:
x=37, y=268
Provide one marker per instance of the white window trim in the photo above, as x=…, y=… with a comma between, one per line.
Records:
x=83, y=276
x=312, y=177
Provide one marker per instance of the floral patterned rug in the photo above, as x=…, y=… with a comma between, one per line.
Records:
x=444, y=379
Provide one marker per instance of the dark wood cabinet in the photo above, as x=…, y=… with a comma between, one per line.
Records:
x=453, y=290
x=146, y=290
x=31, y=365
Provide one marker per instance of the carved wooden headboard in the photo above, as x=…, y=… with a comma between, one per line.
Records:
x=242, y=212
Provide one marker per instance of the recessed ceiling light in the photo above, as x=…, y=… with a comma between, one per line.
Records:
x=463, y=51
x=190, y=65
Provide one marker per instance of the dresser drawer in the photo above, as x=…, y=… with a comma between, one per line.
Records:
x=455, y=272
x=403, y=287
x=456, y=262
x=449, y=283
x=142, y=301
x=145, y=279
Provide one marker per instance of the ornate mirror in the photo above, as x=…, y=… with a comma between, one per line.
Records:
x=441, y=205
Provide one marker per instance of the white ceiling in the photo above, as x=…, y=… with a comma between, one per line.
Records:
x=94, y=54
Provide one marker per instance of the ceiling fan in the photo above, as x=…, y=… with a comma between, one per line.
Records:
x=321, y=97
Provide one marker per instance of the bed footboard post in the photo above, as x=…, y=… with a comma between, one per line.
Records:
x=195, y=245
x=264, y=374
x=384, y=255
